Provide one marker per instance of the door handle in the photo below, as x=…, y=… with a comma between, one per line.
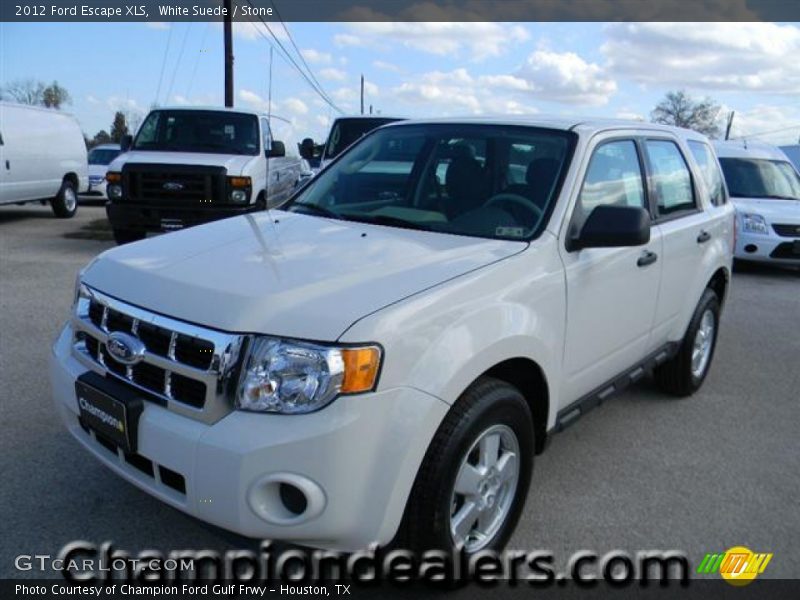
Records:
x=647, y=258
x=703, y=237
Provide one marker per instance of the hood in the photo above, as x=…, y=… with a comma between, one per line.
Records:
x=774, y=211
x=97, y=170
x=285, y=274
x=235, y=163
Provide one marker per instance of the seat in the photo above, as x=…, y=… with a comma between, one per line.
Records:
x=465, y=184
x=539, y=179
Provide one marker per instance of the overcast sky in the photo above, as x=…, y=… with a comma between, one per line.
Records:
x=421, y=69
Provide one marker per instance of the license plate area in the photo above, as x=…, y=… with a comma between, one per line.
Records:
x=111, y=415
x=171, y=224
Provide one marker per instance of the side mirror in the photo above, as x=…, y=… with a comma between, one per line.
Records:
x=125, y=142
x=306, y=149
x=276, y=150
x=611, y=226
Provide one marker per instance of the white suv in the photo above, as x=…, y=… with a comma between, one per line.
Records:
x=382, y=359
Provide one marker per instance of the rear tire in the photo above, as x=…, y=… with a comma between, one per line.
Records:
x=126, y=236
x=685, y=373
x=65, y=204
x=475, y=476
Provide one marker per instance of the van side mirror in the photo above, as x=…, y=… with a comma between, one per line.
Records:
x=277, y=149
x=306, y=149
x=125, y=142
x=610, y=226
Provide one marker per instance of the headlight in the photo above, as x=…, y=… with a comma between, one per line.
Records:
x=752, y=223
x=238, y=196
x=114, y=191
x=282, y=376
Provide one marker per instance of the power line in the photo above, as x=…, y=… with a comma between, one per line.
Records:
x=285, y=54
x=163, y=64
x=197, y=60
x=178, y=62
x=789, y=128
x=297, y=50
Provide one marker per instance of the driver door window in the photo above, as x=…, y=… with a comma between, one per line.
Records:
x=614, y=177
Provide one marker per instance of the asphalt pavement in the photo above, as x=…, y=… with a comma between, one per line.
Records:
x=642, y=472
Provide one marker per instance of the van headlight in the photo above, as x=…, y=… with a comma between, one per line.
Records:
x=752, y=223
x=287, y=377
x=114, y=191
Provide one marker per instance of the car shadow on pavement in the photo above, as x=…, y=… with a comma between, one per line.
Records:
x=765, y=269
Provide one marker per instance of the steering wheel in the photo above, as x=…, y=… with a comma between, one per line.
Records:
x=517, y=200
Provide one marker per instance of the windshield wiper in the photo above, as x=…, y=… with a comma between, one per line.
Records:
x=387, y=220
x=314, y=209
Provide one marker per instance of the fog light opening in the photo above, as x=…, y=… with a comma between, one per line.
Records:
x=293, y=498
x=750, y=248
x=286, y=499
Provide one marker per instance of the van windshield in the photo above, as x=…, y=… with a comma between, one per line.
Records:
x=761, y=178
x=220, y=132
x=347, y=131
x=102, y=156
x=484, y=181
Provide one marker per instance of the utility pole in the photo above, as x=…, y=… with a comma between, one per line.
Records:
x=228, y=33
x=362, y=94
x=730, y=125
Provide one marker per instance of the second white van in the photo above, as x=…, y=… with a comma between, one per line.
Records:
x=42, y=158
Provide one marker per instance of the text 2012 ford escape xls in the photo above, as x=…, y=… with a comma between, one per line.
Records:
x=382, y=359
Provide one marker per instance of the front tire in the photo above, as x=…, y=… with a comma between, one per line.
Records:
x=685, y=373
x=65, y=204
x=474, y=479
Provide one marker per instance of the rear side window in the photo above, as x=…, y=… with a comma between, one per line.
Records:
x=614, y=177
x=671, y=177
x=709, y=169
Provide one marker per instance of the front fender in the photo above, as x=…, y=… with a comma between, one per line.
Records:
x=441, y=340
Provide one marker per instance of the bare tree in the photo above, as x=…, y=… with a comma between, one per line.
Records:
x=24, y=91
x=680, y=109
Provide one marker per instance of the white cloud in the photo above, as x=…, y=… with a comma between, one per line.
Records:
x=333, y=74
x=751, y=57
x=480, y=40
x=157, y=25
x=565, y=77
x=386, y=66
x=92, y=100
x=255, y=101
x=295, y=106
x=317, y=57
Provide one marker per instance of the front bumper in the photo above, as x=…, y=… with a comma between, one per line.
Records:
x=147, y=217
x=767, y=248
x=358, y=458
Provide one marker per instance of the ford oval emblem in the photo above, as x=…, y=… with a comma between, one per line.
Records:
x=173, y=186
x=125, y=348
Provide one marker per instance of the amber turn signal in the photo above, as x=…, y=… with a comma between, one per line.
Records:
x=112, y=177
x=361, y=366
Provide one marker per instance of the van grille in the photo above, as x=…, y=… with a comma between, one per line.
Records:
x=174, y=185
x=792, y=231
x=183, y=366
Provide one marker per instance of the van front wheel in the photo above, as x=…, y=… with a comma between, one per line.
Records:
x=474, y=479
x=65, y=204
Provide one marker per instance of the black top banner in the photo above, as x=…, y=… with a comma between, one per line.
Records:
x=399, y=10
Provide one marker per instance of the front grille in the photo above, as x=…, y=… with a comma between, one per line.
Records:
x=792, y=231
x=785, y=251
x=182, y=186
x=183, y=365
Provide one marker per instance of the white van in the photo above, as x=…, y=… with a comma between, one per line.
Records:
x=765, y=189
x=42, y=157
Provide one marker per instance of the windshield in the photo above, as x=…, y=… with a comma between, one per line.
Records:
x=347, y=131
x=475, y=180
x=102, y=156
x=220, y=132
x=761, y=178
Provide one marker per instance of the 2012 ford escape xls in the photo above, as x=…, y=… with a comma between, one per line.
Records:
x=382, y=359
